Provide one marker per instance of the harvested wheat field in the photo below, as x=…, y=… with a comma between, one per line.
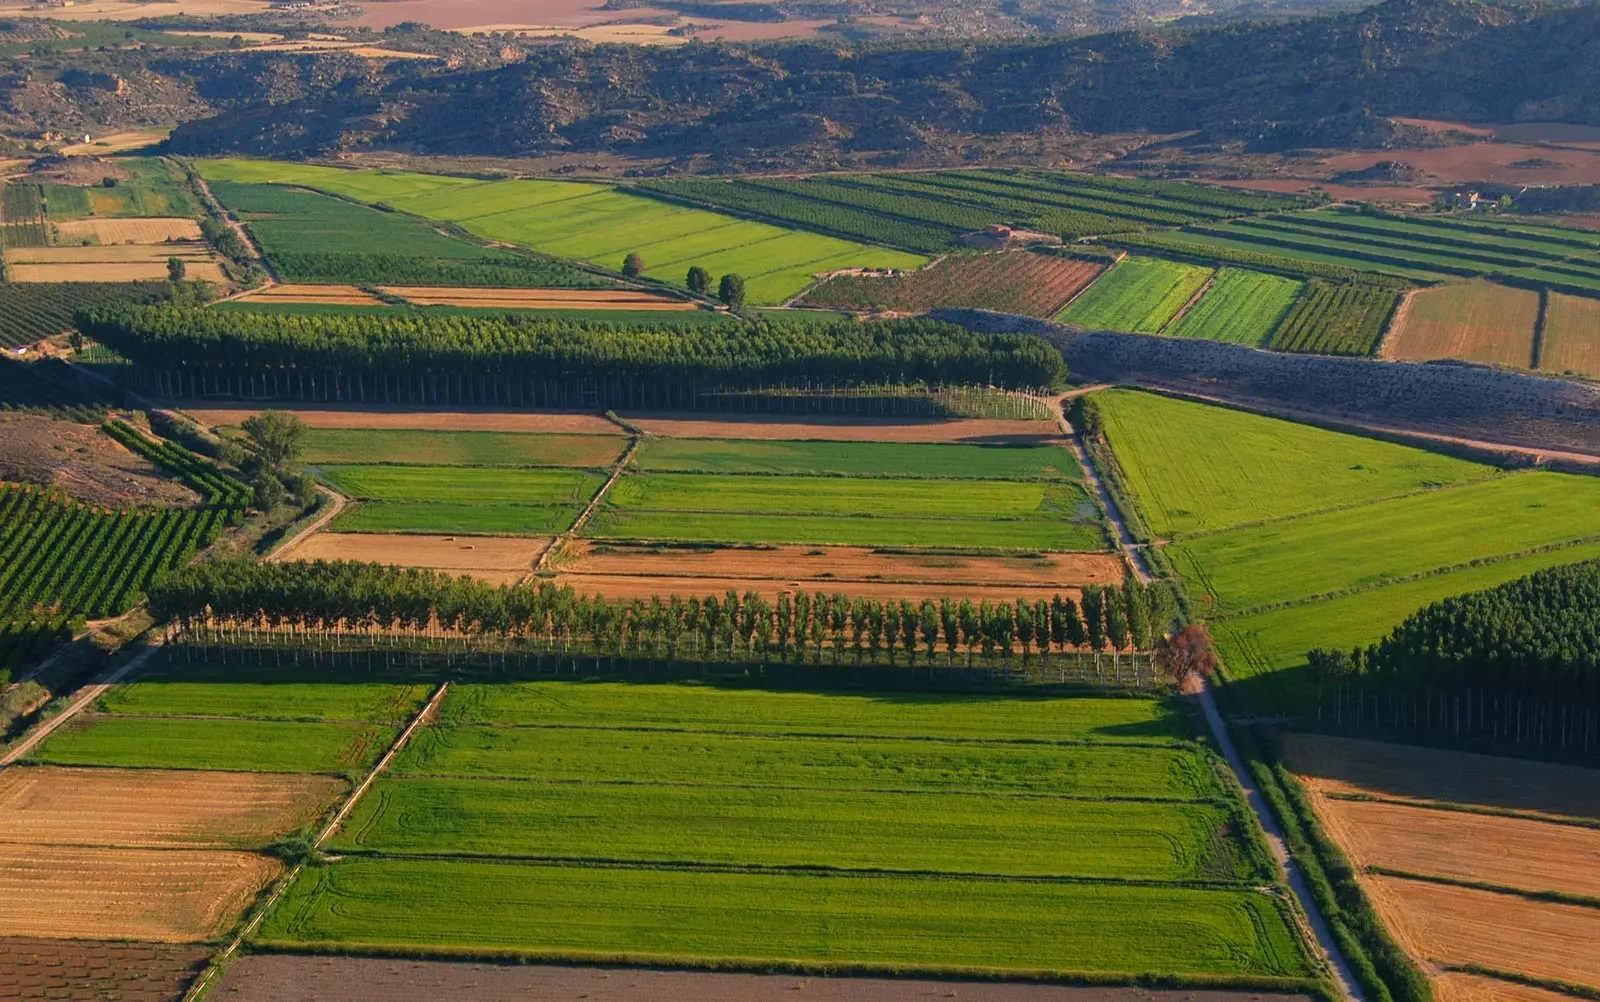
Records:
x=548, y=422
x=1571, y=336
x=1376, y=768
x=162, y=895
x=538, y=299
x=836, y=563
x=973, y=431
x=1476, y=321
x=496, y=559
x=128, y=231
x=1458, y=987
x=149, y=271
x=189, y=251
x=1512, y=852
x=321, y=295
x=45, y=805
x=81, y=971
x=1457, y=925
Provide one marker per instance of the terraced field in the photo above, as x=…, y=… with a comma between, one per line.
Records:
x=1139, y=294
x=1244, y=307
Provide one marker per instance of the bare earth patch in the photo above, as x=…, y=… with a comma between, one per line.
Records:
x=82, y=971
x=162, y=895
x=777, y=427
x=83, y=461
x=45, y=805
x=288, y=978
x=126, y=231
x=547, y=422
x=1456, y=925
x=496, y=559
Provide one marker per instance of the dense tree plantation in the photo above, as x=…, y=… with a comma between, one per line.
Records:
x=492, y=359
x=821, y=628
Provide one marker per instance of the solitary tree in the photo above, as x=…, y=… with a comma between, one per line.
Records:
x=731, y=291
x=633, y=265
x=176, y=270
x=277, y=434
x=698, y=281
x=1187, y=656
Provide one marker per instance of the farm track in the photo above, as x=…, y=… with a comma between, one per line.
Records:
x=578, y=523
x=317, y=524
x=87, y=695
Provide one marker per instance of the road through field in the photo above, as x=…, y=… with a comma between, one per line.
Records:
x=316, y=525
x=88, y=694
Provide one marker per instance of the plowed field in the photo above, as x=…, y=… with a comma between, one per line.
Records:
x=1572, y=336
x=81, y=971
x=325, y=295
x=569, y=423
x=499, y=559
x=160, y=895
x=972, y=430
x=137, y=808
x=1478, y=321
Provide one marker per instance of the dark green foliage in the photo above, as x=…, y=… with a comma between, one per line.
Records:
x=913, y=351
x=633, y=265
x=201, y=476
x=731, y=291
x=48, y=387
x=1347, y=318
x=698, y=280
x=38, y=310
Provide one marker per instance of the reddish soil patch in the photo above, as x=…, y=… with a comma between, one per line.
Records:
x=81, y=971
x=548, y=422
x=844, y=429
x=288, y=978
x=83, y=461
x=1036, y=285
x=1478, y=321
x=163, y=895
x=151, y=807
x=1484, y=162
x=496, y=559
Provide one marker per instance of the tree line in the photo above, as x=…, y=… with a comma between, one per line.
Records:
x=816, y=627
x=1536, y=638
x=903, y=352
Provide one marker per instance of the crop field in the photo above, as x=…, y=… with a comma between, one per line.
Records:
x=1477, y=321
x=449, y=499
x=925, y=832
x=596, y=223
x=127, y=231
x=1157, y=440
x=79, y=972
x=1345, y=318
x=311, y=295
x=156, y=189
x=233, y=745
x=324, y=446
x=1244, y=307
x=869, y=459
x=1032, y=284
x=1571, y=336
x=116, y=263
x=1138, y=294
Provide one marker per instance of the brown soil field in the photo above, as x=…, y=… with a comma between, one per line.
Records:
x=1036, y=285
x=1484, y=162
x=1456, y=987
x=1479, y=321
x=1571, y=336
x=1512, y=852
x=838, y=563
x=327, y=295
x=120, y=253
x=1348, y=765
x=82, y=461
x=118, y=142
x=163, y=895
x=150, y=271
x=126, y=231
x=343, y=48
x=45, y=805
x=290, y=978
x=548, y=422
x=132, y=10
x=496, y=559
x=633, y=586
x=82, y=971
x=549, y=299
x=1456, y=925
x=777, y=427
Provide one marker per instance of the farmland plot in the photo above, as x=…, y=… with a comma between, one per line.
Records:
x=1035, y=285
x=1572, y=336
x=1347, y=318
x=1000, y=462
x=325, y=446
x=1243, y=307
x=1477, y=321
x=446, y=499
x=1138, y=294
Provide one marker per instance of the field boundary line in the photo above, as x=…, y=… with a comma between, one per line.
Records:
x=316, y=525
x=1488, y=887
x=1186, y=307
x=88, y=694
x=560, y=541
x=202, y=983
x=1484, y=810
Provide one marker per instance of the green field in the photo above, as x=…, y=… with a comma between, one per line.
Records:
x=838, y=530
x=463, y=485
x=845, y=496
x=361, y=185
x=202, y=743
x=267, y=700
x=1194, y=467
x=699, y=916
x=1139, y=294
x=324, y=446
x=1243, y=307
x=871, y=459
x=881, y=764
x=456, y=518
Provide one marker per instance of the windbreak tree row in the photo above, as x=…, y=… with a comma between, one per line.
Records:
x=818, y=628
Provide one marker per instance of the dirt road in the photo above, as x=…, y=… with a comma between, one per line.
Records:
x=85, y=696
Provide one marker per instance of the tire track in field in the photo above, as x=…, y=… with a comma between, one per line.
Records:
x=589, y=509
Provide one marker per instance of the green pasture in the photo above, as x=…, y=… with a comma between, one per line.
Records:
x=324, y=446
x=1138, y=294
x=267, y=700
x=803, y=495
x=567, y=753
x=843, y=530
x=859, y=459
x=362, y=185
x=688, y=917
x=1389, y=541
x=1194, y=467
x=690, y=707
x=927, y=831
x=1241, y=306
x=207, y=743
x=456, y=518
x=463, y=485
